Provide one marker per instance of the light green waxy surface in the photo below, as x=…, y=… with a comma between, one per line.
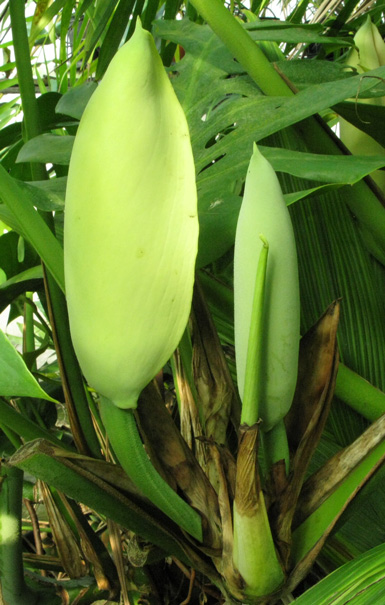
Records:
x=264, y=211
x=131, y=225
x=254, y=553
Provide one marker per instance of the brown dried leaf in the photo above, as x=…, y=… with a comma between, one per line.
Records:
x=66, y=543
x=335, y=474
x=176, y=458
x=315, y=368
x=225, y=564
x=248, y=483
x=88, y=541
x=212, y=378
x=190, y=422
x=318, y=363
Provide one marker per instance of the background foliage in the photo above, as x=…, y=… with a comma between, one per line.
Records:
x=337, y=214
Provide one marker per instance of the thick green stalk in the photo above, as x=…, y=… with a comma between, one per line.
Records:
x=359, y=394
x=122, y=432
x=252, y=388
x=254, y=553
x=242, y=46
x=275, y=446
x=13, y=589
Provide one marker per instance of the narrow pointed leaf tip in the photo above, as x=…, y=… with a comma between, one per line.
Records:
x=131, y=226
x=15, y=378
x=264, y=211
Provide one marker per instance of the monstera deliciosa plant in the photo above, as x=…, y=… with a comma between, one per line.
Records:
x=191, y=406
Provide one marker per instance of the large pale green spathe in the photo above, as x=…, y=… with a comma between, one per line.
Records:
x=131, y=226
x=264, y=211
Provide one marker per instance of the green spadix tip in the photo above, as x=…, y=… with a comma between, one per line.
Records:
x=264, y=241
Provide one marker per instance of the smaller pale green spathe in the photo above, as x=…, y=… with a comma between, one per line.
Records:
x=369, y=54
x=264, y=211
x=131, y=226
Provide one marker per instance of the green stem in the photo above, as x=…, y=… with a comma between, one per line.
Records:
x=29, y=334
x=254, y=553
x=77, y=398
x=252, y=388
x=275, y=446
x=95, y=412
x=359, y=394
x=13, y=587
x=12, y=436
x=241, y=45
x=122, y=432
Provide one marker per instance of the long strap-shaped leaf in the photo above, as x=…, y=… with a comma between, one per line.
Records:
x=359, y=582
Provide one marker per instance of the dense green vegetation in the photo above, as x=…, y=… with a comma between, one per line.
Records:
x=192, y=495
